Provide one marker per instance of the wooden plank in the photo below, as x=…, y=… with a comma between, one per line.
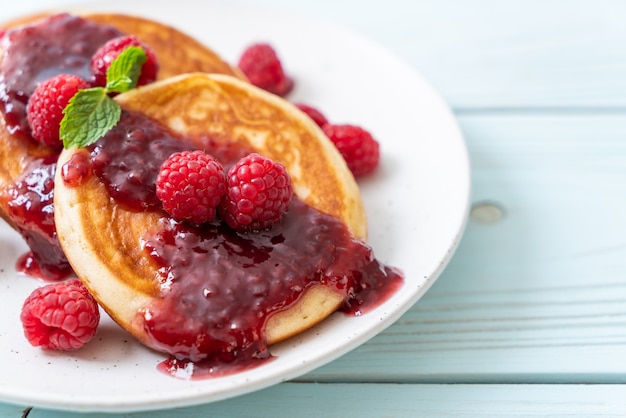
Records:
x=391, y=400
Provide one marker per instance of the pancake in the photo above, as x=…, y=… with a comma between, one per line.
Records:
x=177, y=52
x=103, y=240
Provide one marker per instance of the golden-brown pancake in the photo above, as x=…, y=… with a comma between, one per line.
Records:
x=102, y=239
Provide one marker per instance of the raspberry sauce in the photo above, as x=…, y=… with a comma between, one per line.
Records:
x=58, y=44
x=219, y=286
x=32, y=211
x=30, y=54
x=128, y=158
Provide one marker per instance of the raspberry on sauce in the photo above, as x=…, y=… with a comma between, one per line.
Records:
x=45, y=106
x=260, y=63
x=102, y=59
x=190, y=185
x=60, y=316
x=259, y=193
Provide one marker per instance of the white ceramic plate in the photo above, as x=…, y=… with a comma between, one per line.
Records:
x=417, y=205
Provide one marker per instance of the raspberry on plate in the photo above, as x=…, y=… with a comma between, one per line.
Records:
x=259, y=193
x=190, y=185
x=260, y=63
x=357, y=146
x=44, y=110
x=60, y=316
x=102, y=59
x=312, y=112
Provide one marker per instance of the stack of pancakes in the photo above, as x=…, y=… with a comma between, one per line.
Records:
x=197, y=94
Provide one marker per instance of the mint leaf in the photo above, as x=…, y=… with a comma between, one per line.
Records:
x=124, y=71
x=89, y=115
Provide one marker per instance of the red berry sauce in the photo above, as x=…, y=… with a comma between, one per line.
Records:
x=58, y=44
x=32, y=211
x=219, y=286
x=128, y=158
x=30, y=54
x=77, y=170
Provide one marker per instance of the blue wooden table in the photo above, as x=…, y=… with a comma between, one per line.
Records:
x=529, y=318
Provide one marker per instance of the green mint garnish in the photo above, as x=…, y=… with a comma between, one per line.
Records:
x=91, y=113
x=124, y=71
x=88, y=116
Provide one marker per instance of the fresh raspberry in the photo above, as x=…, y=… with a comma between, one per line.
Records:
x=357, y=146
x=60, y=316
x=259, y=193
x=260, y=63
x=102, y=59
x=44, y=110
x=317, y=116
x=190, y=185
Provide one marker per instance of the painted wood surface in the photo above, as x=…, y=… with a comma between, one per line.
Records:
x=399, y=401
x=529, y=318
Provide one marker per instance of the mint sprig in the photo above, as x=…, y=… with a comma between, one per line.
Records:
x=91, y=113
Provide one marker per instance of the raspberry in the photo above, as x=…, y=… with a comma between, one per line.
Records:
x=60, y=316
x=259, y=193
x=317, y=116
x=357, y=146
x=44, y=111
x=263, y=68
x=101, y=60
x=190, y=186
